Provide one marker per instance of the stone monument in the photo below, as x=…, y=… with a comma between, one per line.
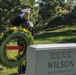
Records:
x=51, y=59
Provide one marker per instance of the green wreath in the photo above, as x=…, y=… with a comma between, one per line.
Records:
x=14, y=29
x=14, y=34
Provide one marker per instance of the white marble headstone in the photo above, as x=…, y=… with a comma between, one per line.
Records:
x=51, y=59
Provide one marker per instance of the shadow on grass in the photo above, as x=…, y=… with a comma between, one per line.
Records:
x=14, y=74
x=73, y=40
x=55, y=34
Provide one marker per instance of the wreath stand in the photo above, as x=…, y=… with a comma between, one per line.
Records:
x=21, y=69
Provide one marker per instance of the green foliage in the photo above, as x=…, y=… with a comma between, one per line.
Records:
x=15, y=29
x=9, y=9
x=68, y=6
x=74, y=11
x=48, y=9
x=68, y=19
x=55, y=21
x=53, y=13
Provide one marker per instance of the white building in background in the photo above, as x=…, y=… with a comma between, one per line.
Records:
x=74, y=2
x=70, y=1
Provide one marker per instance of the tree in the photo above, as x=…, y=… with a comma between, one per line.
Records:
x=48, y=9
x=7, y=8
x=70, y=1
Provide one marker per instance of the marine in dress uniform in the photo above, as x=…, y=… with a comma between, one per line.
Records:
x=23, y=19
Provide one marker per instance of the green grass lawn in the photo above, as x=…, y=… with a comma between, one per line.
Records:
x=64, y=35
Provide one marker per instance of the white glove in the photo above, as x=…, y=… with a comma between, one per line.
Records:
x=21, y=15
x=31, y=24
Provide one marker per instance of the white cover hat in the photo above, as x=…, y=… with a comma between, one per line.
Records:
x=27, y=10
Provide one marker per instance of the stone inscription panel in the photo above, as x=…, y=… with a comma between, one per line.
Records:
x=61, y=62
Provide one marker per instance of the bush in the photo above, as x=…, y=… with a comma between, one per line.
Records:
x=55, y=21
x=65, y=19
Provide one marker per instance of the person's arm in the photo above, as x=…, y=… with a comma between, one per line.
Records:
x=17, y=20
